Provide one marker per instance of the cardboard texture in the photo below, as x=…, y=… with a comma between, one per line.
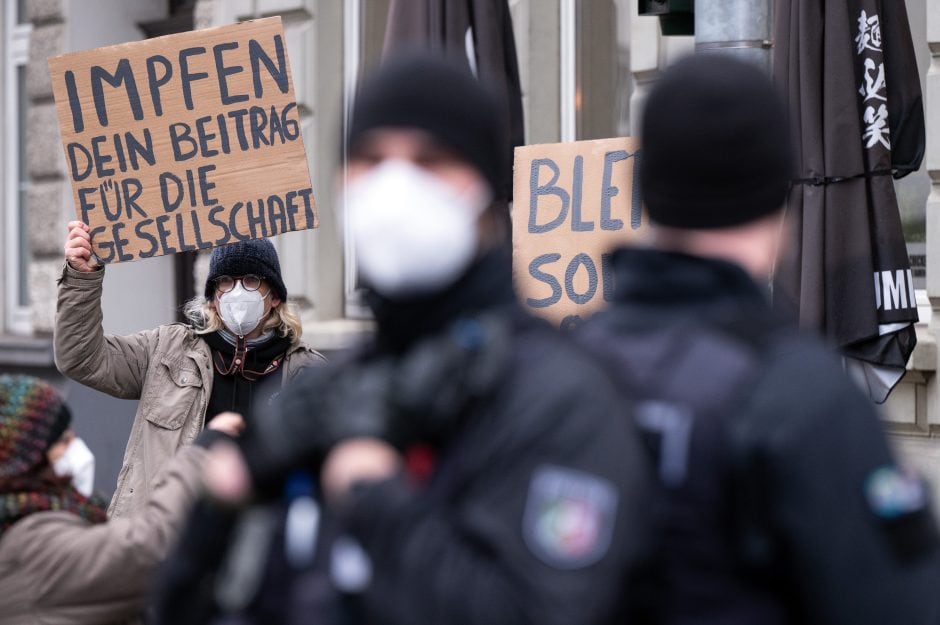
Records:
x=184, y=142
x=574, y=203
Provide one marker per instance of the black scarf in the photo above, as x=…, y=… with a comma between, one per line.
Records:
x=244, y=376
x=486, y=284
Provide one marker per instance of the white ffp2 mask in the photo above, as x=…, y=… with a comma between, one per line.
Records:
x=79, y=463
x=414, y=234
x=241, y=310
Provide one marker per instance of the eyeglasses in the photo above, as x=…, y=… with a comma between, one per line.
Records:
x=250, y=282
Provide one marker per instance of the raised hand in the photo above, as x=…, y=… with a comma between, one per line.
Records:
x=78, y=247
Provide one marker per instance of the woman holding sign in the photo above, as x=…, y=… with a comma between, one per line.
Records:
x=242, y=343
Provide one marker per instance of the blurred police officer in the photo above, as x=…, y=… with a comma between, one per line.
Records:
x=483, y=464
x=783, y=502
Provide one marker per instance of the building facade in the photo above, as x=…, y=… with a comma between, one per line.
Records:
x=586, y=67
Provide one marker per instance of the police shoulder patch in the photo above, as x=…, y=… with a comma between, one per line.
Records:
x=899, y=500
x=569, y=516
x=893, y=492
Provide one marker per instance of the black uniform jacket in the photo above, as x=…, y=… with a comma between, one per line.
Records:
x=783, y=501
x=534, y=508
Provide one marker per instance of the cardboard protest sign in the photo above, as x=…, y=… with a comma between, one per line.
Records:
x=573, y=204
x=184, y=142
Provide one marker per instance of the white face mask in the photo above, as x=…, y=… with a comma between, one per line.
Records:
x=241, y=310
x=414, y=234
x=79, y=463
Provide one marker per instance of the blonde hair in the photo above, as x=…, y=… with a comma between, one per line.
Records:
x=205, y=318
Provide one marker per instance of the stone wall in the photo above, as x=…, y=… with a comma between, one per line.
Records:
x=924, y=450
x=49, y=197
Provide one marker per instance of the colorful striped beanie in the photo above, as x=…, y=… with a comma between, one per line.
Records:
x=32, y=417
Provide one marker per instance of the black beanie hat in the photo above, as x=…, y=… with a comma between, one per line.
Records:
x=256, y=256
x=425, y=92
x=716, y=145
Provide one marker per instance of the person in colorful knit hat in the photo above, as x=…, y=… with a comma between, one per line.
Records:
x=59, y=555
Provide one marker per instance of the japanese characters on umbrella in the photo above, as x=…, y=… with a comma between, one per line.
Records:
x=849, y=276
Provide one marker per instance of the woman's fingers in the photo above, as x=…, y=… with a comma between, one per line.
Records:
x=78, y=250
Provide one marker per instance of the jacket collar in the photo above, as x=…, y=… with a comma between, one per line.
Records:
x=196, y=347
x=670, y=281
x=487, y=284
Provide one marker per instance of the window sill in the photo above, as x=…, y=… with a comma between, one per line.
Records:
x=924, y=357
x=21, y=351
x=332, y=335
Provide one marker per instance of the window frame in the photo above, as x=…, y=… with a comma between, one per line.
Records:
x=17, y=314
x=354, y=61
x=568, y=70
x=353, y=301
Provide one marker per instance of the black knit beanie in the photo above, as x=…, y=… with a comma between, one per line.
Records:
x=716, y=146
x=255, y=256
x=32, y=417
x=425, y=92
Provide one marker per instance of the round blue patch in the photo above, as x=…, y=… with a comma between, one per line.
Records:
x=893, y=492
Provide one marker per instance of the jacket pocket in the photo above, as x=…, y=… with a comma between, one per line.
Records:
x=174, y=390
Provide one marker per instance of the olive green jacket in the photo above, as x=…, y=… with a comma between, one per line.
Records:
x=169, y=369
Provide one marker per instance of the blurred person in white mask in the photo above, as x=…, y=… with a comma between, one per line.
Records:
x=61, y=561
x=479, y=460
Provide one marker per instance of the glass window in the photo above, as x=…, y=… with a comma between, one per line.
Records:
x=599, y=93
x=912, y=192
x=368, y=20
x=374, y=16
x=22, y=188
x=596, y=83
x=14, y=232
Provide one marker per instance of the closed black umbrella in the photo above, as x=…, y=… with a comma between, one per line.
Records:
x=848, y=70
x=476, y=32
